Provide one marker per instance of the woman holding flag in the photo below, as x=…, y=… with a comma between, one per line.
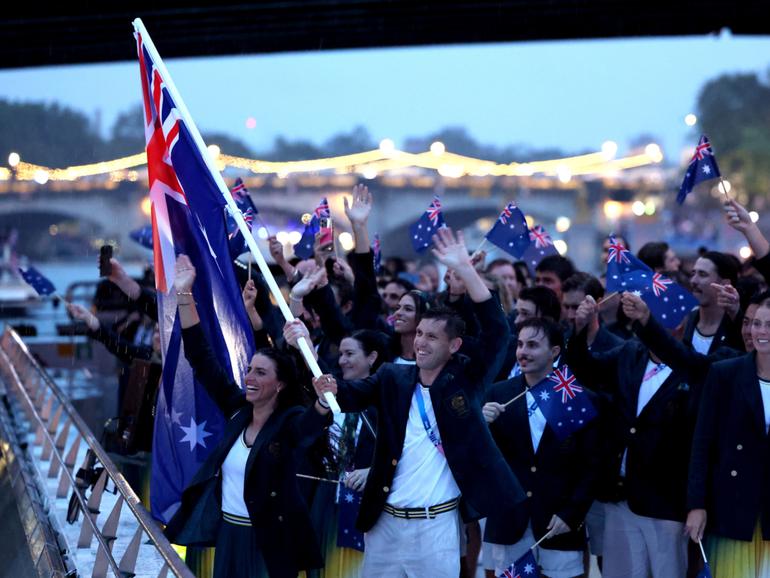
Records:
x=245, y=499
x=730, y=461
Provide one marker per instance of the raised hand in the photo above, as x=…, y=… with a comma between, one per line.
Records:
x=82, y=314
x=358, y=211
x=451, y=250
x=586, y=311
x=184, y=275
x=728, y=298
x=249, y=294
x=737, y=216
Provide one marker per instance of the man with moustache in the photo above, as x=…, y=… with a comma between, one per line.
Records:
x=558, y=475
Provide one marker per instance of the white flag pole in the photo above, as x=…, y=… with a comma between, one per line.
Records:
x=304, y=347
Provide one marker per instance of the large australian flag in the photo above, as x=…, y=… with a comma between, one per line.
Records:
x=702, y=167
x=510, y=232
x=187, y=206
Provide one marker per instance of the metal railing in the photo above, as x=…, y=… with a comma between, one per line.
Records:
x=62, y=437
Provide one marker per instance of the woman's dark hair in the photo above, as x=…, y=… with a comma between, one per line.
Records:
x=370, y=341
x=421, y=303
x=286, y=373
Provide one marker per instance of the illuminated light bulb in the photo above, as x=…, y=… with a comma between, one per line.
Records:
x=214, y=151
x=745, y=252
x=146, y=206
x=654, y=151
x=649, y=208
x=387, y=146
x=438, y=148
x=563, y=224
x=609, y=150
x=346, y=240
x=612, y=209
x=41, y=177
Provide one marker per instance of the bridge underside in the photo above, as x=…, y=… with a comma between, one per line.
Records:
x=67, y=33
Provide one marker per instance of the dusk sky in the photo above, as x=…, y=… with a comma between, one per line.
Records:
x=573, y=95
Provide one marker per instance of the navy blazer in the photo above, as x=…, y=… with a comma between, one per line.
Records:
x=279, y=516
x=730, y=463
x=658, y=439
x=484, y=478
x=559, y=478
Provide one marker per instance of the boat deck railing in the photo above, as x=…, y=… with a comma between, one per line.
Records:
x=117, y=535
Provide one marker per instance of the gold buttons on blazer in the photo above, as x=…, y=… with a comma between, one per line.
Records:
x=733, y=473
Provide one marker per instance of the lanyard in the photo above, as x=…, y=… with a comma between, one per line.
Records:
x=426, y=422
x=654, y=371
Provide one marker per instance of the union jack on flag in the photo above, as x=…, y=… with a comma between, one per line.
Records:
x=660, y=284
x=702, y=167
x=566, y=383
x=574, y=410
x=538, y=236
x=434, y=211
x=617, y=251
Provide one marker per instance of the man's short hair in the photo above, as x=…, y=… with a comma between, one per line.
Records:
x=453, y=323
x=545, y=300
x=560, y=266
x=727, y=266
x=498, y=263
x=584, y=282
x=548, y=327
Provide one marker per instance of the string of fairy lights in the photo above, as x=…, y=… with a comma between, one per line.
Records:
x=386, y=159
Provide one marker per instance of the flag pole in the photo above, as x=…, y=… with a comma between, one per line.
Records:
x=510, y=401
x=724, y=187
x=304, y=347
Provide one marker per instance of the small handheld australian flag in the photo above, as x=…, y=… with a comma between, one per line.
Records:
x=702, y=167
x=524, y=567
x=39, y=282
x=421, y=233
x=510, y=232
x=564, y=403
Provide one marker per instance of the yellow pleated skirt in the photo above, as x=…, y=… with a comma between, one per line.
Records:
x=738, y=559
